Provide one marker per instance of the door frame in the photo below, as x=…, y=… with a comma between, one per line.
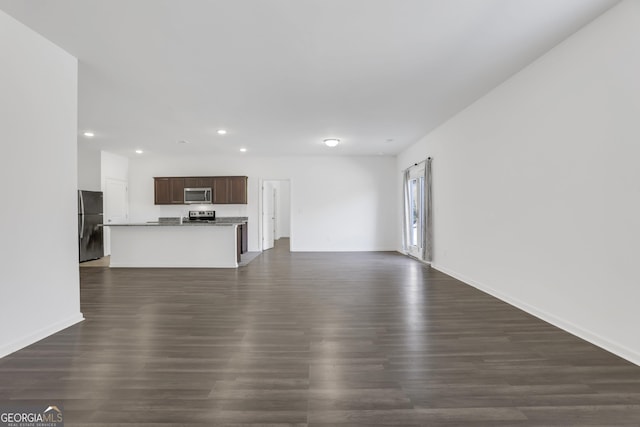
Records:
x=268, y=215
x=261, y=210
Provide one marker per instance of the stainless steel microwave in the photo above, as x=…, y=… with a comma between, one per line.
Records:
x=197, y=196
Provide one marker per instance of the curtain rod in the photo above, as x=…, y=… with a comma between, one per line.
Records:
x=416, y=164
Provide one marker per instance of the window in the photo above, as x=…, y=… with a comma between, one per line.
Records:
x=417, y=211
x=415, y=218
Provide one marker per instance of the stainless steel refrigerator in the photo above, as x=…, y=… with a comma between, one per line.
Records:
x=90, y=233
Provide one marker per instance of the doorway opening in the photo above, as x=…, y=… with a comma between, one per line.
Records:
x=276, y=212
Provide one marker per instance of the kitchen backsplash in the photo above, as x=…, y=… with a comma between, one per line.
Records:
x=183, y=210
x=153, y=212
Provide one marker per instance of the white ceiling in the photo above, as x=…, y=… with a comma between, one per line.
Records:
x=282, y=75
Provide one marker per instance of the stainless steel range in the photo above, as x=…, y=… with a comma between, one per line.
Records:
x=202, y=215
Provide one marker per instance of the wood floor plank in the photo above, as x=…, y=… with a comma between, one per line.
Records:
x=314, y=339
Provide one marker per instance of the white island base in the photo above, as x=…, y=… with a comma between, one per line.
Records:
x=155, y=245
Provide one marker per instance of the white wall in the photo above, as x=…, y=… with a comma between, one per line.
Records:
x=337, y=203
x=537, y=186
x=89, y=170
x=283, y=227
x=282, y=208
x=39, y=280
x=112, y=167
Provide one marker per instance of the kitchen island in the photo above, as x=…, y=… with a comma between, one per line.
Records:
x=206, y=244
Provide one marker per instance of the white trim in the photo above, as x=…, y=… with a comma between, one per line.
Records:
x=420, y=260
x=593, y=338
x=261, y=212
x=43, y=333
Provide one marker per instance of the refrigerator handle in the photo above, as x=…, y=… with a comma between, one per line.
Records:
x=81, y=214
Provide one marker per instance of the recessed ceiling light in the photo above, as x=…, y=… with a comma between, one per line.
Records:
x=182, y=141
x=89, y=134
x=222, y=132
x=331, y=142
x=389, y=140
x=243, y=150
x=139, y=151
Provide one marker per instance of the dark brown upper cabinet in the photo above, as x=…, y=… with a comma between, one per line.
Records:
x=169, y=191
x=197, y=182
x=238, y=190
x=162, y=191
x=226, y=189
x=177, y=191
x=220, y=190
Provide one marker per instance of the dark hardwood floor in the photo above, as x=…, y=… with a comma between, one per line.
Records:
x=315, y=339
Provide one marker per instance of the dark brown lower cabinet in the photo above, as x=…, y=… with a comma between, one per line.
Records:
x=245, y=238
x=242, y=241
x=239, y=244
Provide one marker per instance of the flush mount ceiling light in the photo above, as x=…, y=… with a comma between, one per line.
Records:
x=331, y=142
x=89, y=134
x=139, y=151
x=243, y=150
x=222, y=132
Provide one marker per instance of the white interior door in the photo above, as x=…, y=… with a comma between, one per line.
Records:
x=275, y=214
x=116, y=207
x=268, y=216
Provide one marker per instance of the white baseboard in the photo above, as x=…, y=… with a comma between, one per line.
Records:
x=593, y=338
x=40, y=334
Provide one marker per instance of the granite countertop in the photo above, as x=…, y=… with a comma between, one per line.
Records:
x=222, y=221
x=174, y=224
x=230, y=219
